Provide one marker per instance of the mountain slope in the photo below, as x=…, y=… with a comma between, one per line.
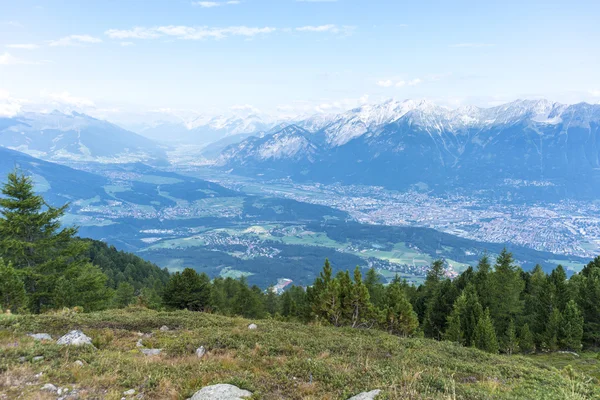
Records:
x=58, y=183
x=75, y=137
x=276, y=360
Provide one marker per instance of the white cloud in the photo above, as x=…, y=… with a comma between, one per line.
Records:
x=400, y=83
x=9, y=106
x=595, y=92
x=331, y=28
x=207, y=4
x=320, y=28
x=75, y=40
x=187, y=32
x=125, y=44
x=414, y=82
x=212, y=4
x=385, y=83
x=472, y=45
x=23, y=46
x=67, y=99
x=9, y=59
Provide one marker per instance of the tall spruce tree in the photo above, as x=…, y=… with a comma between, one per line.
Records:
x=485, y=335
x=33, y=242
x=571, y=327
x=505, y=290
x=399, y=317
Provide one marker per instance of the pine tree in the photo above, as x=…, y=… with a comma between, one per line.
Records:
x=12, y=290
x=471, y=314
x=562, y=296
x=588, y=298
x=511, y=343
x=31, y=239
x=375, y=287
x=505, y=290
x=124, y=295
x=362, y=309
x=571, y=327
x=188, y=290
x=485, y=334
x=454, y=328
x=526, y=341
x=550, y=335
x=399, y=317
x=482, y=280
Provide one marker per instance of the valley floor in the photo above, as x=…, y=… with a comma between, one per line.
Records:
x=276, y=360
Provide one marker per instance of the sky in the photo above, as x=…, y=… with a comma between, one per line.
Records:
x=124, y=57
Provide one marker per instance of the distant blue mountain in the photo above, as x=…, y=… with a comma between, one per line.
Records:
x=75, y=137
x=527, y=146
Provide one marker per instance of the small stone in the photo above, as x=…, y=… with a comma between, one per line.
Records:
x=37, y=358
x=221, y=392
x=151, y=352
x=48, y=387
x=75, y=338
x=40, y=336
x=129, y=392
x=164, y=328
x=139, y=344
x=79, y=363
x=200, y=351
x=39, y=375
x=22, y=359
x=366, y=395
x=252, y=326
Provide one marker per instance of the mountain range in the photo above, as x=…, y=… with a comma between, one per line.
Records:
x=74, y=136
x=527, y=143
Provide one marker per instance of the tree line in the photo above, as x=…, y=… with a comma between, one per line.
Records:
x=496, y=308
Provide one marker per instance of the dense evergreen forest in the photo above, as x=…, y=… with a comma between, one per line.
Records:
x=496, y=308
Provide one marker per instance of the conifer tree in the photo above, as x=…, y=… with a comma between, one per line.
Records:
x=188, y=290
x=471, y=314
x=124, y=295
x=485, y=335
x=454, y=328
x=558, y=279
x=526, y=341
x=505, y=290
x=31, y=239
x=482, y=280
x=362, y=309
x=571, y=327
x=12, y=290
x=511, y=343
x=399, y=317
x=375, y=287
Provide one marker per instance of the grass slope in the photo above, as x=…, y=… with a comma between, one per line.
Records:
x=278, y=360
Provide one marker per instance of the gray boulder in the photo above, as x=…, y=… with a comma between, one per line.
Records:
x=75, y=338
x=151, y=352
x=221, y=392
x=200, y=352
x=164, y=328
x=252, y=326
x=40, y=336
x=366, y=395
x=48, y=387
x=37, y=358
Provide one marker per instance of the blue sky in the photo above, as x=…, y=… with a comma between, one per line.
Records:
x=288, y=56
